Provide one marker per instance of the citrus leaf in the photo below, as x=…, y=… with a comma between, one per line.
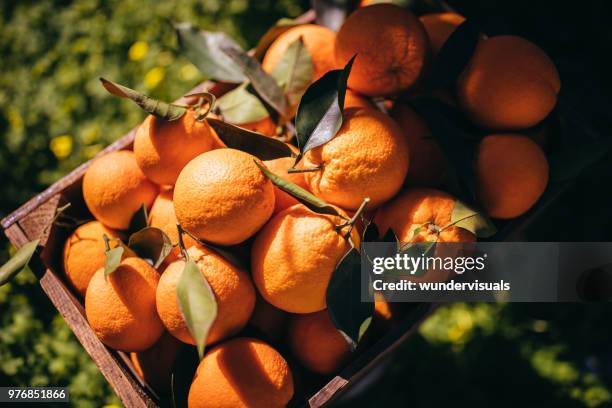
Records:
x=454, y=56
x=303, y=196
x=319, y=114
x=162, y=110
x=293, y=73
x=225, y=253
x=18, y=262
x=151, y=243
x=475, y=222
x=139, y=220
x=371, y=233
x=241, y=106
x=260, y=146
x=203, y=49
x=113, y=259
x=348, y=313
x=197, y=303
x=262, y=82
x=272, y=34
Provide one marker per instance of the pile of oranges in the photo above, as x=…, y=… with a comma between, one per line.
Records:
x=184, y=174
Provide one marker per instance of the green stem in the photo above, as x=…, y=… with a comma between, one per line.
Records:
x=308, y=170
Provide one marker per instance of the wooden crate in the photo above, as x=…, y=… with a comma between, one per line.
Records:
x=32, y=221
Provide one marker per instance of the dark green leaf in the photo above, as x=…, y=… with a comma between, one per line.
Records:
x=371, y=233
x=454, y=56
x=475, y=222
x=348, y=313
x=151, y=243
x=262, y=82
x=293, y=73
x=203, y=49
x=319, y=115
x=241, y=106
x=303, y=196
x=197, y=303
x=272, y=34
x=113, y=259
x=18, y=262
x=260, y=146
x=139, y=220
x=162, y=110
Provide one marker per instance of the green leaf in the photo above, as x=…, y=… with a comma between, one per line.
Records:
x=348, y=313
x=303, y=196
x=113, y=259
x=241, y=106
x=475, y=222
x=140, y=220
x=18, y=262
x=162, y=110
x=260, y=146
x=319, y=115
x=264, y=84
x=197, y=303
x=151, y=243
x=293, y=73
x=272, y=34
x=454, y=56
x=371, y=233
x=203, y=49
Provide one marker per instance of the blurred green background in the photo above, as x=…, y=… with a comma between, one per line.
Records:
x=54, y=115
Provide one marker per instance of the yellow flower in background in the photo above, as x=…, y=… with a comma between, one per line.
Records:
x=61, y=146
x=188, y=72
x=138, y=51
x=154, y=77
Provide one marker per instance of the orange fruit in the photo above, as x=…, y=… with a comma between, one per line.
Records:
x=120, y=308
x=416, y=207
x=318, y=40
x=114, y=188
x=280, y=167
x=242, y=372
x=510, y=83
x=265, y=126
x=316, y=343
x=163, y=148
x=154, y=365
x=231, y=286
x=391, y=47
x=268, y=319
x=440, y=26
x=222, y=197
x=368, y=157
x=162, y=216
x=353, y=100
x=84, y=253
x=428, y=164
x=511, y=173
x=294, y=256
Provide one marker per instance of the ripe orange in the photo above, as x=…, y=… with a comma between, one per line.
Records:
x=428, y=165
x=114, y=188
x=510, y=83
x=512, y=174
x=265, y=126
x=294, y=256
x=84, y=253
x=353, y=100
x=280, y=167
x=316, y=343
x=154, y=365
x=440, y=26
x=391, y=47
x=163, y=148
x=231, y=286
x=318, y=40
x=222, y=197
x=162, y=216
x=120, y=308
x=242, y=372
x=416, y=207
x=368, y=157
